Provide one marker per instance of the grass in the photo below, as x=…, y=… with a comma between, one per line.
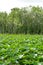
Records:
x=21, y=49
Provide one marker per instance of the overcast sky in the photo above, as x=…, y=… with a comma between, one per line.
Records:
x=7, y=5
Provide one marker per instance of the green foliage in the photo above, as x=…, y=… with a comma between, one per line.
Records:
x=24, y=20
x=21, y=49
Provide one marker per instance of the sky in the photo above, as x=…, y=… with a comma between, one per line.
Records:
x=7, y=5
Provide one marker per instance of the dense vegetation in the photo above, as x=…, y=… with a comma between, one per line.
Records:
x=21, y=49
x=24, y=20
